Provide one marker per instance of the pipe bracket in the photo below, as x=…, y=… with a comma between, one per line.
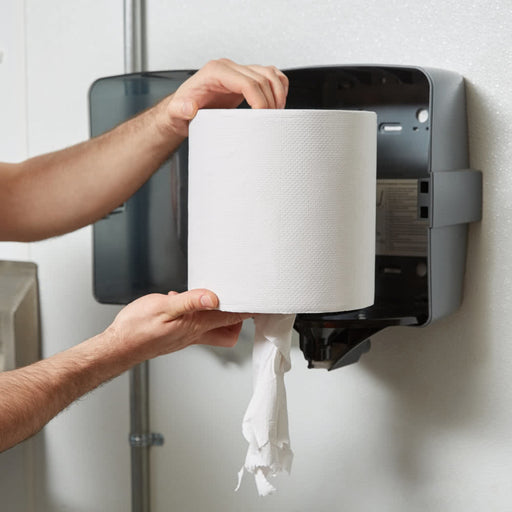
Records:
x=145, y=440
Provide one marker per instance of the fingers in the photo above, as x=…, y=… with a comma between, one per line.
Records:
x=277, y=81
x=217, y=319
x=204, y=322
x=204, y=301
x=218, y=328
x=221, y=337
x=190, y=302
x=224, y=84
x=261, y=86
x=256, y=86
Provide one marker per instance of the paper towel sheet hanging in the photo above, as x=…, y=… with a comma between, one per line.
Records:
x=282, y=209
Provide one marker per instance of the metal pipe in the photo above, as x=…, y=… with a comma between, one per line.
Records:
x=140, y=437
x=140, y=434
x=134, y=36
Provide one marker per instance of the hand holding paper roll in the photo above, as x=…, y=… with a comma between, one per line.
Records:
x=281, y=221
x=223, y=83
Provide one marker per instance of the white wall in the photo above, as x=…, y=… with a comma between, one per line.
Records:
x=17, y=465
x=54, y=51
x=13, y=114
x=423, y=423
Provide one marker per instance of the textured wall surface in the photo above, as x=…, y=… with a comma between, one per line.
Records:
x=424, y=422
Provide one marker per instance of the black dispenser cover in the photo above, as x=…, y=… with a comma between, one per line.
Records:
x=425, y=198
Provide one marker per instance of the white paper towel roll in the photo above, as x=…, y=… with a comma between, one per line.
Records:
x=282, y=209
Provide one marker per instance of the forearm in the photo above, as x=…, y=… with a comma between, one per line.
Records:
x=62, y=191
x=33, y=395
x=65, y=190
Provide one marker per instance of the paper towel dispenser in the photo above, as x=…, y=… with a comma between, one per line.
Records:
x=426, y=196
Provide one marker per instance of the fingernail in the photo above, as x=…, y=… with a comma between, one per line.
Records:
x=206, y=301
x=188, y=109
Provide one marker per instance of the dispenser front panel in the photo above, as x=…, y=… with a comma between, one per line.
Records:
x=141, y=247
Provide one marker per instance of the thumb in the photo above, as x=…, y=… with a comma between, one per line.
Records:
x=191, y=301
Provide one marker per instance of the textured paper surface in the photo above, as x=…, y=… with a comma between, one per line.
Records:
x=282, y=209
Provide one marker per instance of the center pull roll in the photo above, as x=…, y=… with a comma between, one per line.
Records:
x=281, y=221
x=282, y=209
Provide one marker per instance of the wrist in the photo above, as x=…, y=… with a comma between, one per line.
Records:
x=122, y=350
x=174, y=116
x=101, y=357
x=157, y=130
x=115, y=352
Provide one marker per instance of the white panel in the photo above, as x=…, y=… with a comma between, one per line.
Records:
x=424, y=421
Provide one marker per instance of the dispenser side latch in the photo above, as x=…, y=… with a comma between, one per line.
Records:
x=448, y=198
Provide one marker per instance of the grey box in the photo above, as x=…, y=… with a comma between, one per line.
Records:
x=19, y=315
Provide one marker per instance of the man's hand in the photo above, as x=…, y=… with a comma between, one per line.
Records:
x=224, y=84
x=56, y=193
x=158, y=324
x=150, y=326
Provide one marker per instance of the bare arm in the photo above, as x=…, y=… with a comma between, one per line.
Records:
x=55, y=193
x=62, y=191
x=148, y=327
x=59, y=192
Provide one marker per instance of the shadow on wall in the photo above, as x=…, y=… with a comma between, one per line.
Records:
x=437, y=373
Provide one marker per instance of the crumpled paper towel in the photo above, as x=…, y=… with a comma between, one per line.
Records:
x=265, y=424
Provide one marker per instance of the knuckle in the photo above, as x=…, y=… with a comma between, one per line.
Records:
x=194, y=329
x=252, y=83
x=211, y=66
x=264, y=81
x=190, y=304
x=217, y=63
x=161, y=301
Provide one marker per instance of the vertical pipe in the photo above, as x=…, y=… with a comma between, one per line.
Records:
x=140, y=437
x=140, y=434
x=134, y=36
